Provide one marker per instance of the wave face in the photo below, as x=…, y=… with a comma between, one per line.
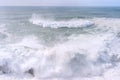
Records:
x=55, y=45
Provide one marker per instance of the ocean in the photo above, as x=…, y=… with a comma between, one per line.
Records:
x=59, y=43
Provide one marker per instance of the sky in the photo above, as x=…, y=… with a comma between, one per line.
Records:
x=59, y=2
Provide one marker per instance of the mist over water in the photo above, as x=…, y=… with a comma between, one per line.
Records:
x=59, y=43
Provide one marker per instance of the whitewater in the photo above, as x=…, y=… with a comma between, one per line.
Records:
x=58, y=43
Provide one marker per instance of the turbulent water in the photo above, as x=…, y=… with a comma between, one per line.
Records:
x=59, y=43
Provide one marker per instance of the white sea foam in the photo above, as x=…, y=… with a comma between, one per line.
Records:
x=73, y=23
x=3, y=32
x=3, y=29
x=81, y=57
x=108, y=23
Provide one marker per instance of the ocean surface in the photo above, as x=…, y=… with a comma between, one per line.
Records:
x=59, y=43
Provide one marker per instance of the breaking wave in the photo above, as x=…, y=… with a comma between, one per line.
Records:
x=83, y=56
x=73, y=23
x=76, y=23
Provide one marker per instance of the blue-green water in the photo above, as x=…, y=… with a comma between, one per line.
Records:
x=59, y=43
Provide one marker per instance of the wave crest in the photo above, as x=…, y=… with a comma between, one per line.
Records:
x=73, y=23
x=102, y=23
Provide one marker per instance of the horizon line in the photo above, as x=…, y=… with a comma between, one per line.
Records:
x=50, y=6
